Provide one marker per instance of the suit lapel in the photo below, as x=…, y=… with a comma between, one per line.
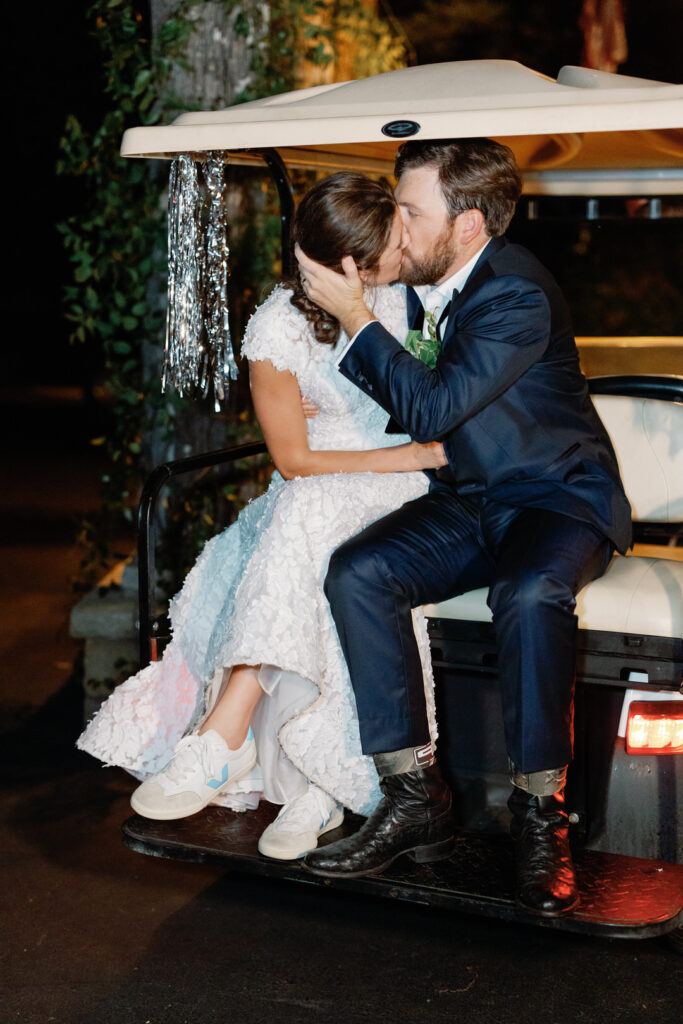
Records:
x=482, y=272
x=415, y=312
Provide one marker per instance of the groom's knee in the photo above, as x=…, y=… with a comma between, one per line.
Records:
x=352, y=567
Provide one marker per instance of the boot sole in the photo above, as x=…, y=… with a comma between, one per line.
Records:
x=421, y=854
x=563, y=912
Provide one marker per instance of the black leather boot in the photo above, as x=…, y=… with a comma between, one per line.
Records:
x=413, y=816
x=546, y=883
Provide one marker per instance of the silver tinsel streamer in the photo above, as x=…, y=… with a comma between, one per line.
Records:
x=198, y=356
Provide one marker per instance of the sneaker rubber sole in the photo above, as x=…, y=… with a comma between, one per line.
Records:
x=281, y=851
x=156, y=813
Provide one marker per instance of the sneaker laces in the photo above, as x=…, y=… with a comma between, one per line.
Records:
x=311, y=810
x=190, y=752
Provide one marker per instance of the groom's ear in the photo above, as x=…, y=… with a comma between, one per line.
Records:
x=469, y=225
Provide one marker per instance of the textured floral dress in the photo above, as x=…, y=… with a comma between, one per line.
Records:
x=255, y=596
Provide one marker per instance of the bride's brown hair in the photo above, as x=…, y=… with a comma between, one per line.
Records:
x=346, y=214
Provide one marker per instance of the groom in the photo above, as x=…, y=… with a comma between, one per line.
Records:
x=530, y=505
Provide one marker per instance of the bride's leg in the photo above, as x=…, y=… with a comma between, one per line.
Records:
x=232, y=714
x=300, y=822
x=205, y=764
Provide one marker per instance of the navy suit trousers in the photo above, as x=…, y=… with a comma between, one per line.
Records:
x=440, y=545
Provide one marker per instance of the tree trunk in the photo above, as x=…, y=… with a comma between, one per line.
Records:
x=219, y=59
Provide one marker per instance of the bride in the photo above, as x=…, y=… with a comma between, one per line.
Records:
x=252, y=697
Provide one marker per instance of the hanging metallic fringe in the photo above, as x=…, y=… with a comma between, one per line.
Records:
x=220, y=363
x=198, y=357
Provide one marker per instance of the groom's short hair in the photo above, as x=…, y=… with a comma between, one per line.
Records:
x=474, y=174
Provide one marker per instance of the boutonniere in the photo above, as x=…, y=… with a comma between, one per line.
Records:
x=425, y=349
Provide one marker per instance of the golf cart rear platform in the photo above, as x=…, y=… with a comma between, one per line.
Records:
x=621, y=897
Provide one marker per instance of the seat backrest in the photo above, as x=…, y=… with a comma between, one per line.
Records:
x=647, y=434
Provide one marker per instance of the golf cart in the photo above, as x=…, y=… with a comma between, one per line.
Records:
x=587, y=138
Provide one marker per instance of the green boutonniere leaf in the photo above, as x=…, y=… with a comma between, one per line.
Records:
x=425, y=349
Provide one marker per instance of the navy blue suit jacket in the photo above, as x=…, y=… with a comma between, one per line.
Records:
x=507, y=398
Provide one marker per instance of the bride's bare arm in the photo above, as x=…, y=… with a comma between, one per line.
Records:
x=277, y=402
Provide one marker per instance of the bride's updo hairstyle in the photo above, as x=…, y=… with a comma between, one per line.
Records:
x=346, y=214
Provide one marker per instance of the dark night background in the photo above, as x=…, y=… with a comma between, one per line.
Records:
x=51, y=67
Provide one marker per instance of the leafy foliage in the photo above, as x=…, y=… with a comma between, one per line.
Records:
x=112, y=245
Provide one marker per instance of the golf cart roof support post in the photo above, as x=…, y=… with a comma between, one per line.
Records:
x=285, y=192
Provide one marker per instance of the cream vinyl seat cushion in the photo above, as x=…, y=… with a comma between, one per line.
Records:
x=638, y=594
x=647, y=434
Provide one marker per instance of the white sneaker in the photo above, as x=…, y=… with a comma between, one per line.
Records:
x=201, y=767
x=297, y=827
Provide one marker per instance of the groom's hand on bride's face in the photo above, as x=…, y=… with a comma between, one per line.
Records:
x=341, y=295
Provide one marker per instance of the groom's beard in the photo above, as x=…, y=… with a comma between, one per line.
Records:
x=433, y=267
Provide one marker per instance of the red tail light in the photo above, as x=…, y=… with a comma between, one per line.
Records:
x=655, y=727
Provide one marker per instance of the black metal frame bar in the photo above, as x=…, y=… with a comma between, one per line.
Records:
x=148, y=500
x=285, y=192
x=668, y=388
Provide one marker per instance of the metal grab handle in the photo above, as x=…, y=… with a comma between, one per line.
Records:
x=148, y=500
x=667, y=388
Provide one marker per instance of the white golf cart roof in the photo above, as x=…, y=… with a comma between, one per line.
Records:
x=588, y=132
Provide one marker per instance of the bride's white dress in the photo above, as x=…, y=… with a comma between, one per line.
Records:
x=255, y=596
